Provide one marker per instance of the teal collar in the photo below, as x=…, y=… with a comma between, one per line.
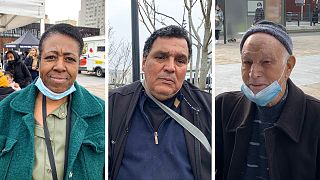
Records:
x=82, y=103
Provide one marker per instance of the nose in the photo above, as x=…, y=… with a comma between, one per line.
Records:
x=60, y=65
x=169, y=65
x=255, y=70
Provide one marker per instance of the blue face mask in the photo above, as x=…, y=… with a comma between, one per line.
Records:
x=52, y=95
x=265, y=96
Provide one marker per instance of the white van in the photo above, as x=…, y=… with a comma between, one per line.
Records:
x=93, y=57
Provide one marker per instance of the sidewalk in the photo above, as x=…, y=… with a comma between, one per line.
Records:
x=306, y=73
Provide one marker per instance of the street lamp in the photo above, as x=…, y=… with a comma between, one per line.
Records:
x=135, y=41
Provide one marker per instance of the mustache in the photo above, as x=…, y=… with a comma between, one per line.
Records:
x=255, y=82
x=170, y=77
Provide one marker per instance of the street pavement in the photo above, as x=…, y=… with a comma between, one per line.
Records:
x=92, y=83
x=306, y=73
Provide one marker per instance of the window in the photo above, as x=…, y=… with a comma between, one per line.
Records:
x=101, y=48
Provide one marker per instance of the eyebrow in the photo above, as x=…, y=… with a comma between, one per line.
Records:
x=168, y=53
x=64, y=53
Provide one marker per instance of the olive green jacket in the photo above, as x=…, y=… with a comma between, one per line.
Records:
x=87, y=137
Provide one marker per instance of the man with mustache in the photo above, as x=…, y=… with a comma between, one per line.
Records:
x=144, y=141
x=269, y=129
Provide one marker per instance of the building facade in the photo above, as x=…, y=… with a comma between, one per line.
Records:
x=67, y=21
x=34, y=28
x=92, y=14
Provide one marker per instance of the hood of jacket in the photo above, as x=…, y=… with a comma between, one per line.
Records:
x=15, y=55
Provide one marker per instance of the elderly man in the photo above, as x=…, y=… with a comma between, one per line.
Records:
x=54, y=128
x=144, y=141
x=269, y=130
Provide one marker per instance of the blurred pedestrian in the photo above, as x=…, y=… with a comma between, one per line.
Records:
x=1, y=61
x=32, y=62
x=5, y=88
x=218, y=22
x=19, y=70
x=259, y=14
x=24, y=55
x=53, y=128
x=12, y=84
x=315, y=15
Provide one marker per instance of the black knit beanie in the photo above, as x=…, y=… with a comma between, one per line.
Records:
x=276, y=30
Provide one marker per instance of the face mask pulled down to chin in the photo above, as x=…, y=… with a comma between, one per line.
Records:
x=50, y=94
x=266, y=95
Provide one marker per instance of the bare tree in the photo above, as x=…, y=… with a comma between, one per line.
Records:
x=207, y=38
x=198, y=45
x=150, y=16
x=120, y=60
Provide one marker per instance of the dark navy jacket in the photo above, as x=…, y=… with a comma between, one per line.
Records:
x=161, y=153
x=196, y=107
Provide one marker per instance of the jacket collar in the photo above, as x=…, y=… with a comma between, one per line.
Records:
x=290, y=120
x=185, y=90
x=293, y=113
x=241, y=115
x=82, y=101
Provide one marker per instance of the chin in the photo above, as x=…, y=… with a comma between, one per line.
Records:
x=162, y=96
x=164, y=91
x=57, y=90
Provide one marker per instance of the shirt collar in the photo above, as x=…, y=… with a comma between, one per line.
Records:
x=60, y=112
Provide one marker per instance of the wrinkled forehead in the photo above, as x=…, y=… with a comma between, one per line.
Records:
x=165, y=42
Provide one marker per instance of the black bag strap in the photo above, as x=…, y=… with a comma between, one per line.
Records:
x=182, y=121
x=47, y=138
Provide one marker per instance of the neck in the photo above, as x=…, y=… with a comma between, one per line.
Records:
x=51, y=104
x=278, y=98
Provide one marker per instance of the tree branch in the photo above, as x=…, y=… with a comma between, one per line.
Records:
x=168, y=17
x=195, y=36
x=203, y=8
x=194, y=3
x=143, y=21
x=154, y=14
x=186, y=5
x=149, y=15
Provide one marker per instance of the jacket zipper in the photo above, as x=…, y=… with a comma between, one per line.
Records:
x=155, y=132
x=156, y=141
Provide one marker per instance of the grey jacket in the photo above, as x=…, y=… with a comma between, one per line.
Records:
x=219, y=20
